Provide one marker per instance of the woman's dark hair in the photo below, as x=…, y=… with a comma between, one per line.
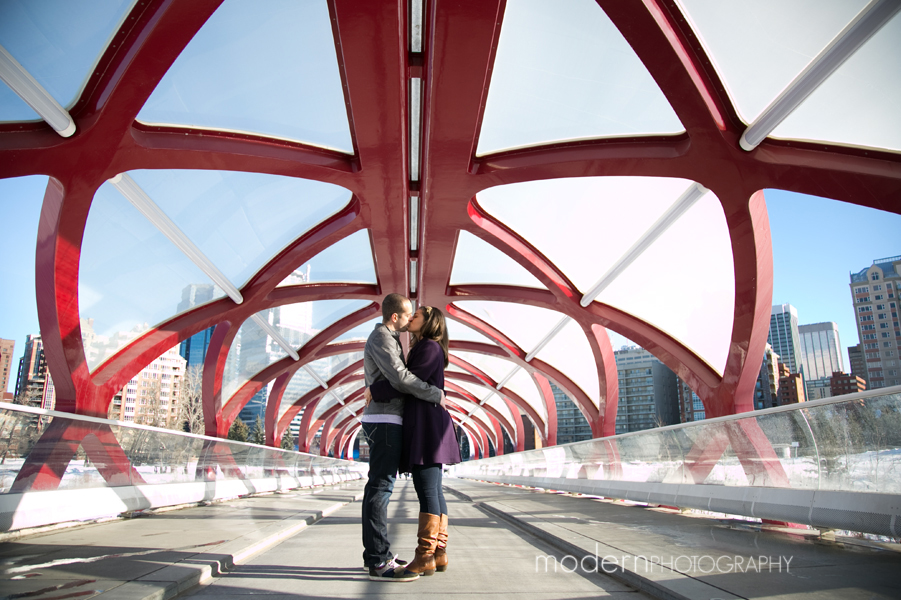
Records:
x=434, y=328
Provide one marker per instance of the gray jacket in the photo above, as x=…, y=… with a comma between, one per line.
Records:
x=382, y=359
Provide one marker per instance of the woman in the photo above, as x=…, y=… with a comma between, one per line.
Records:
x=429, y=438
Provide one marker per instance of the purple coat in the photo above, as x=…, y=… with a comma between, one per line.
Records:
x=429, y=436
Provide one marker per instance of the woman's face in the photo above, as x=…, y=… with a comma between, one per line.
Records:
x=416, y=322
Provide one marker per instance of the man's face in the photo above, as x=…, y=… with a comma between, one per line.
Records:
x=403, y=319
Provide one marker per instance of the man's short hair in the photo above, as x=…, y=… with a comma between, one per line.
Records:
x=393, y=304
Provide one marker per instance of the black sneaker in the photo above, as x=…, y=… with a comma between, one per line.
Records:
x=399, y=561
x=392, y=571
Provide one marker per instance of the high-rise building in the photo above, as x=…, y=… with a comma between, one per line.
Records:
x=821, y=356
x=842, y=384
x=691, y=408
x=791, y=386
x=817, y=389
x=193, y=349
x=152, y=396
x=821, y=350
x=7, y=347
x=571, y=424
x=648, y=395
x=858, y=363
x=875, y=292
x=784, y=336
x=33, y=376
x=766, y=390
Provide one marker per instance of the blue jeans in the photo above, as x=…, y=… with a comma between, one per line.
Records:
x=427, y=481
x=385, y=442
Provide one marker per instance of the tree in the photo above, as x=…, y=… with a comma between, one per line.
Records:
x=258, y=432
x=238, y=431
x=287, y=441
x=190, y=402
x=150, y=407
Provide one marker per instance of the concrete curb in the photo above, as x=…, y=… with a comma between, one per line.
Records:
x=178, y=578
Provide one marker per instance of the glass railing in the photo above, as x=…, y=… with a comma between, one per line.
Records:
x=845, y=444
x=44, y=450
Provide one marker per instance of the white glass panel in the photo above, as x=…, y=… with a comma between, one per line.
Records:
x=346, y=261
x=240, y=220
x=494, y=367
x=494, y=401
x=253, y=350
x=455, y=368
x=458, y=331
x=685, y=283
x=58, y=43
x=570, y=353
x=497, y=403
x=525, y=325
x=564, y=72
x=477, y=261
x=577, y=235
x=523, y=385
x=265, y=68
x=478, y=391
x=329, y=399
x=130, y=277
x=786, y=37
x=858, y=104
x=302, y=382
x=479, y=413
x=360, y=333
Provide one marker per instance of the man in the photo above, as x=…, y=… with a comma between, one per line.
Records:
x=383, y=428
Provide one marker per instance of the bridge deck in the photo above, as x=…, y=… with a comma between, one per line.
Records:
x=304, y=544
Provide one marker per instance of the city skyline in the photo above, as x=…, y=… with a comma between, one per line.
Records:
x=809, y=272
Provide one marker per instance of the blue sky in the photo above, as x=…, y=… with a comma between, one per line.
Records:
x=816, y=244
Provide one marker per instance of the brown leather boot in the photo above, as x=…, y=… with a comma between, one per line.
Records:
x=441, y=548
x=424, y=562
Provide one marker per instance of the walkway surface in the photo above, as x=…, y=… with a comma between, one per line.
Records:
x=504, y=541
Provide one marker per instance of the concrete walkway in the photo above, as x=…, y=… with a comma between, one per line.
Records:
x=488, y=559
x=504, y=542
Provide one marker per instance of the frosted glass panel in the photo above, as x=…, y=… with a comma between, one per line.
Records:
x=563, y=72
x=858, y=104
x=494, y=401
x=240, y=220
x=346, y=261
x=329, y=399
x=265, y=68
x=360, y=333
x=477, y=261
x=523, y=384
x=525, y=325
x=577, y=235
x=570, y=353
x=787, y=36
x=691, y=266
x=458, y=331
x=130, y=277
x=302, y=382
x=253, y=350
x=58, y=43
x=494, y=367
